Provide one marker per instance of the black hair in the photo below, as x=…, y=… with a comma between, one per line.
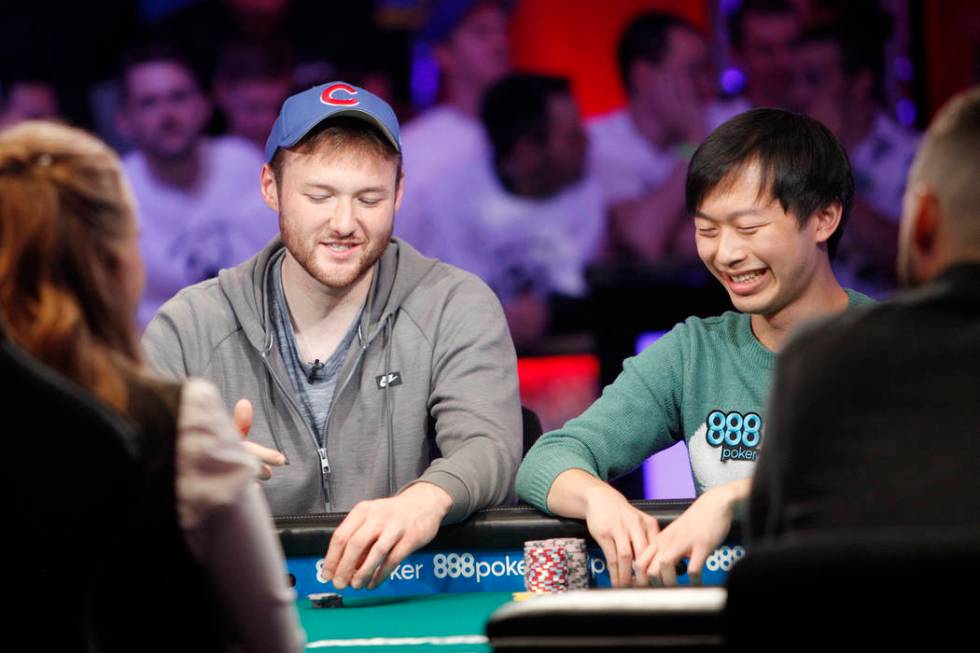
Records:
x=645, y=38
x=516, y=107
x=154, y=53
x=802, y=164
x=736, y=21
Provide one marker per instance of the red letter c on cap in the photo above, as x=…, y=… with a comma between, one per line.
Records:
x=327, y=96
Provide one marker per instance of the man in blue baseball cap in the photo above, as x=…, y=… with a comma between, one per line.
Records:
x=380, y=382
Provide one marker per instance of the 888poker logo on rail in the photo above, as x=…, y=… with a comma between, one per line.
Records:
x=495, y=570
x=736, y=435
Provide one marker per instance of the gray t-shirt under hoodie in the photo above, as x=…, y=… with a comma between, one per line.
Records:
x=314, y=381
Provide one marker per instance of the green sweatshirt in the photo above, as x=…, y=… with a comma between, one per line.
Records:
x=706, y=382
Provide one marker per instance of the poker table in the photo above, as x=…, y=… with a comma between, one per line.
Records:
x=442, y=596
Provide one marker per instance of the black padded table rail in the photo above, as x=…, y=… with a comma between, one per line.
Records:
x=501, y=527
x=681, y=618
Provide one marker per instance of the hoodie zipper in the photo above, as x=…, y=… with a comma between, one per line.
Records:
x=325, y=473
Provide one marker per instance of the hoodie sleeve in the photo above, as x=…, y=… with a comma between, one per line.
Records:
x=474, y=401
x=162, y=345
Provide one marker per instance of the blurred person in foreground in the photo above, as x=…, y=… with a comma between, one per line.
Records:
x=200, y=210
x=900, y=448
x=469, y=40
x=70, y=281
x=768, y=192
x=639, y=154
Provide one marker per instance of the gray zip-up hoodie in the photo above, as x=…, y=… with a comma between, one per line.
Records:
x=428, y=390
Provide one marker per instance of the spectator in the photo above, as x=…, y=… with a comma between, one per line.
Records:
x=197, y=196
x=838, y=81
x=249, y=87
x=761, y=34
x=528, y=221
x=640, y=153
x=28, y=98
x=470, y=43
x=203, y=30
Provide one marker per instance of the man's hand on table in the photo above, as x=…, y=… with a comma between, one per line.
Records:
x=243, y=422
x=377, y=535
x=621, y=530
x=693, y=535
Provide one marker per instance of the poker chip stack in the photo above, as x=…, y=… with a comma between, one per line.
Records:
x=555, y=565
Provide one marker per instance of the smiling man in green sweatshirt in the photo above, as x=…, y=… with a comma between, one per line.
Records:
x=769, y=192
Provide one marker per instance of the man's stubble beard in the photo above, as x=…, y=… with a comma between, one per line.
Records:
x=307, y=259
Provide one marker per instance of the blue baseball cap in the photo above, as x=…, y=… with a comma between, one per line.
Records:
x=302, y=112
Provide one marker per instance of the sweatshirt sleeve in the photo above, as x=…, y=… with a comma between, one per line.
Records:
x=475, y=403
x=637, y=415
x=162, y=345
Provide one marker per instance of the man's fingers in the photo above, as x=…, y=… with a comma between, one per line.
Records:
x=402, y=549
x=624, y=558
x=639, y=544
x=696, y=563
x=243, y=416
x=265, y=472
x=373, y=562
x=265, y=454
x=338, y=542
x=665, y=564
x=354, y=555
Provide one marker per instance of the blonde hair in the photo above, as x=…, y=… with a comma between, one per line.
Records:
x=64, y=209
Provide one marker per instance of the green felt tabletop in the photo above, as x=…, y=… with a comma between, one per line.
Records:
x=401, y=620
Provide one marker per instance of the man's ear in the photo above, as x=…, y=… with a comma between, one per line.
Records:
x=269, y=187
x=399, y=190
x=826, y=221
x=925, y=222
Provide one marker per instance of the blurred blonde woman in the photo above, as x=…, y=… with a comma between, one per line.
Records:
x=70, y=282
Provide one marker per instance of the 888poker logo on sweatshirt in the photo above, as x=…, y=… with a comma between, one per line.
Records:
x=737, y=436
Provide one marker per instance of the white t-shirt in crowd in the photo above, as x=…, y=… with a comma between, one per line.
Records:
x=515, y=243
x=187, y=236
x=433, y=147
x=626, y=164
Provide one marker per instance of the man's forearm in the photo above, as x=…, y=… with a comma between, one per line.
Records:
x=738, y=495
x=569, y=494
x=429, y=495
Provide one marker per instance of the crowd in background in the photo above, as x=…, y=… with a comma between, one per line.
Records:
x=503, y=177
